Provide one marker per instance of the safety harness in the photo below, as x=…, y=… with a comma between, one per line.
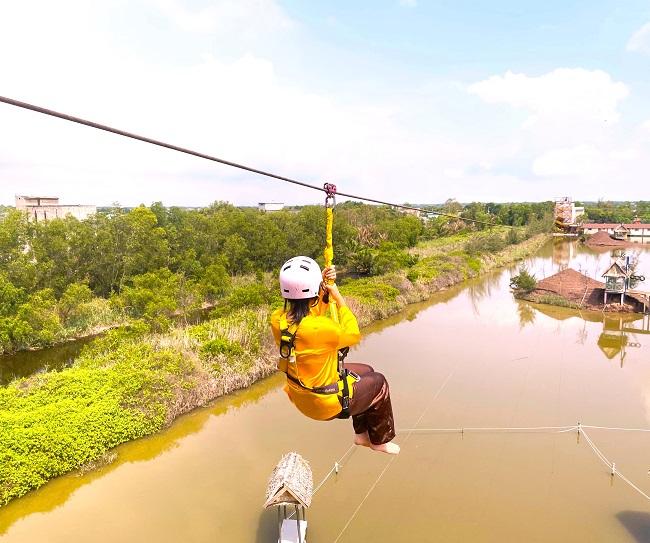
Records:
x=287, y=357
x=288, y=332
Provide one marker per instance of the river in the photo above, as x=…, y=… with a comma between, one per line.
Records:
x=473, y=358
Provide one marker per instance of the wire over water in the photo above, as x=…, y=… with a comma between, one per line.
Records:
x=611, y=464
x=337, y=465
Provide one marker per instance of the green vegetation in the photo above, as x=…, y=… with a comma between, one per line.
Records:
x=149, y=267
x=66, y=278
x=617, y=212
x=557, y=301
x=128, y=384
x=523, y=282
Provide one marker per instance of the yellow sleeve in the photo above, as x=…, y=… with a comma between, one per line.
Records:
x=275, y=325
x=350, y=334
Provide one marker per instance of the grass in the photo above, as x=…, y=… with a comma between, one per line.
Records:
x=548, y=299
x=123, y=386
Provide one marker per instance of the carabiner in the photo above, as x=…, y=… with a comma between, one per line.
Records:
x=330, y=195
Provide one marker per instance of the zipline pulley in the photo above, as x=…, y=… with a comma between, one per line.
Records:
x=330, y=195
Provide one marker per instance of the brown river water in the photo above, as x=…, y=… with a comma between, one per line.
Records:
x=471, y=358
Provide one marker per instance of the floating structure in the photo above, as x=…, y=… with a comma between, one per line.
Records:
x=291, y=486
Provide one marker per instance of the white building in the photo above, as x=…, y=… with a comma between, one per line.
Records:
x=636, y=231
x=41, y=208
x=270, y=206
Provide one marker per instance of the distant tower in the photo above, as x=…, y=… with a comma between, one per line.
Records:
x=566, y=215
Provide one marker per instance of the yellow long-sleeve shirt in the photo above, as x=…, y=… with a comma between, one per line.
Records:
x=318, y=339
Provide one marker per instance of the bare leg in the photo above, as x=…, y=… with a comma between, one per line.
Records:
x=362, y=439
x=388, y=448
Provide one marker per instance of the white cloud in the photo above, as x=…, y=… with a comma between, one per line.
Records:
x=560, y=94
x=250, y=19
x=453, y=173
x=255, y=109
x=589, y=163
x=579, y=161
x=640, y=40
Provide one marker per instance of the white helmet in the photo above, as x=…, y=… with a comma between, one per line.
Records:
x=300, y=278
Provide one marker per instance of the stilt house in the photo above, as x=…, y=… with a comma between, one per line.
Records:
x=616, y=280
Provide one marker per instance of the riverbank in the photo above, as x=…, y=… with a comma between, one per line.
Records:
x=131, y=383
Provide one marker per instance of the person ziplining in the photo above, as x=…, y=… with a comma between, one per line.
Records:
x=312, y=348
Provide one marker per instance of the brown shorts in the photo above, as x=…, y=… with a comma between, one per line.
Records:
x=370, y=405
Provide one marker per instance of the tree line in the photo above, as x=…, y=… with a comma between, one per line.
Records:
x=617, y=212
x=63, y=277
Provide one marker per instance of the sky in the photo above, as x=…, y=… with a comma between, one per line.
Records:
x=403, y=101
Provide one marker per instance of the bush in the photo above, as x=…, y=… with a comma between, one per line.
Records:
x=413, y=275
x=216, y=282
x=488, y=243
x=512, y=237
x=523, y=281
x=219, y=346
x=367, y=291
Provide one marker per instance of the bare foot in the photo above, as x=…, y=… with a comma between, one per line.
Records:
x=362, y=439
x=388, y=448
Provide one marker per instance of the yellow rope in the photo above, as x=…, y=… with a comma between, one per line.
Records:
x=329, y=256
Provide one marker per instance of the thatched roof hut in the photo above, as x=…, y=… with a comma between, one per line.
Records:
x=291, y=482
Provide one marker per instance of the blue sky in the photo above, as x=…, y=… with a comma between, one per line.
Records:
x=400, y=100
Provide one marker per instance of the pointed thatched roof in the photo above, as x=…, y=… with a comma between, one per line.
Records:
x=615, y=270
x=290, y=482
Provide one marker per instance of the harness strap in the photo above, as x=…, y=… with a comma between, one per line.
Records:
x=287, y=355
x=343, y=373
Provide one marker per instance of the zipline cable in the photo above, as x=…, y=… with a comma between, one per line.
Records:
x=92, y=124
x=119, y=132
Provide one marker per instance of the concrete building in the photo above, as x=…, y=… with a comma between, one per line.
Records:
x=270, y=206
x=41, y=208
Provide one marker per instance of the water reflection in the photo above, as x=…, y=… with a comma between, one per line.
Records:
x=620, y=333
x=482, y=289
x=562, y=252
x=25, y=363
x=526, y=314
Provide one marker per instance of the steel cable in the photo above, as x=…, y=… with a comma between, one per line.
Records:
x=92, y=124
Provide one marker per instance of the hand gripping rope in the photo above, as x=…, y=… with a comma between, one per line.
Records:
x=330, y=202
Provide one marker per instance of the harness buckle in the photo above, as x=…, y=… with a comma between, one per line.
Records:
x=355, y=376
x=287, y=344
